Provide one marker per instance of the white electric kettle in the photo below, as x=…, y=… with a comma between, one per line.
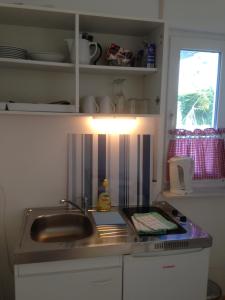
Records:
x=181, y=171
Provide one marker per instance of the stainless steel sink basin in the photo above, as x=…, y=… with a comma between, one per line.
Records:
x=65, y=227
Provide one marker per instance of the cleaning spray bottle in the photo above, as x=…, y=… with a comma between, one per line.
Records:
x=104, y=201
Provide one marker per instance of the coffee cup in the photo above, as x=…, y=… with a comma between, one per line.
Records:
x=106, y=105
x=89, y=105
x=120, y=104
x=144, y=106
x=132, y=105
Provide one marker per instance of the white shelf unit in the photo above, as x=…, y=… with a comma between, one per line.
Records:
x=44, y=30
x=31, y=81
x=141, y=82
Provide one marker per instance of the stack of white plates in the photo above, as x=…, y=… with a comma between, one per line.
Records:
x=12, y=52
x=47, y=56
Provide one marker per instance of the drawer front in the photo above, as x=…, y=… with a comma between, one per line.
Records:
x=68, y=265
x=83, y=284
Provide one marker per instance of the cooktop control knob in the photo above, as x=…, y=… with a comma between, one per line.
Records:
x=174, y=212
x=183, y=219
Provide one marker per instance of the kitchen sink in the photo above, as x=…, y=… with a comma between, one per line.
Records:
x=63, y=227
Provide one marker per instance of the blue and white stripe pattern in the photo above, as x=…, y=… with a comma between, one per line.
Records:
x=101, y=158
x=124, y=170
x=126, y=160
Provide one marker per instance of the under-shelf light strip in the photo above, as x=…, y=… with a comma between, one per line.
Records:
x=113, y=125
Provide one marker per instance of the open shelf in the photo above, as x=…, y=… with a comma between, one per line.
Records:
x=36, y=65
x=76, y=114
x=36, y=16
x=96, y=69
x=117, y=25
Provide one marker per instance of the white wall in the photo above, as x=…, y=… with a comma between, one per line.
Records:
x=200, y=15
x=203, y=16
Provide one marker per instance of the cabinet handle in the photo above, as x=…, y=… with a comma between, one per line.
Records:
x=102, y=282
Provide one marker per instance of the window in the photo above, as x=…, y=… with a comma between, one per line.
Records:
x=195, y=82
x=197, y=89
x=196, y=103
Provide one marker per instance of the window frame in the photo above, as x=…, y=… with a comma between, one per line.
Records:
x=197, y=42
x=215, y=104
x=178, y=40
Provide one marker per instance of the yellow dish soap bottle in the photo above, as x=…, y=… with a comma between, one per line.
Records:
x=104, y=202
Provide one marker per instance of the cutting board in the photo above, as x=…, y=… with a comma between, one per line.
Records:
x=108, y=218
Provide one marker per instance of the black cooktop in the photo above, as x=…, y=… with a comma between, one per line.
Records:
x=129, y=211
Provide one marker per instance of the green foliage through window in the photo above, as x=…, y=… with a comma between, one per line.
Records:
x=197, y=108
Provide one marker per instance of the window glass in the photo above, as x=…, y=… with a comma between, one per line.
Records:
x=197, y=89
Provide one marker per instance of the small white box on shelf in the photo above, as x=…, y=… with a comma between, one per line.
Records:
x=41, y=107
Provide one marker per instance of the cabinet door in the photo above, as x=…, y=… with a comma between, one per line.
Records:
x=167, y=277
x=95, y=279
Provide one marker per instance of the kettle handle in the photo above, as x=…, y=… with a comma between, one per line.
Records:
x=100, y=54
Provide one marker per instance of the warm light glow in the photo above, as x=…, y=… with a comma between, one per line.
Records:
x=114, y=125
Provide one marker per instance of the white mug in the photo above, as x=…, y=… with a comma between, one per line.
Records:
x=120, y=104
x=132, y=105
x=146, y=106
x=89, y=105
x=86, y=53
x=106, y=105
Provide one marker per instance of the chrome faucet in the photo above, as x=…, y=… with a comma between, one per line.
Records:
x=81, y=209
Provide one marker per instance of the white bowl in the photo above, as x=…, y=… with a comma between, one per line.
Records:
x=47, y=56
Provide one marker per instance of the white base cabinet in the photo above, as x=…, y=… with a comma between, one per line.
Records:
x=166, y=276
x=169, y=275
x=81, y=279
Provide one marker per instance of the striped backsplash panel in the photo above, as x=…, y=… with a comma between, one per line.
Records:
x=125, y=160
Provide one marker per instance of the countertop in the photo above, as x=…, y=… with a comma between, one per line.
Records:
x=30, y=251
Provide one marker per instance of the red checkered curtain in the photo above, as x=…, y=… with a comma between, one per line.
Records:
x=206, y=147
